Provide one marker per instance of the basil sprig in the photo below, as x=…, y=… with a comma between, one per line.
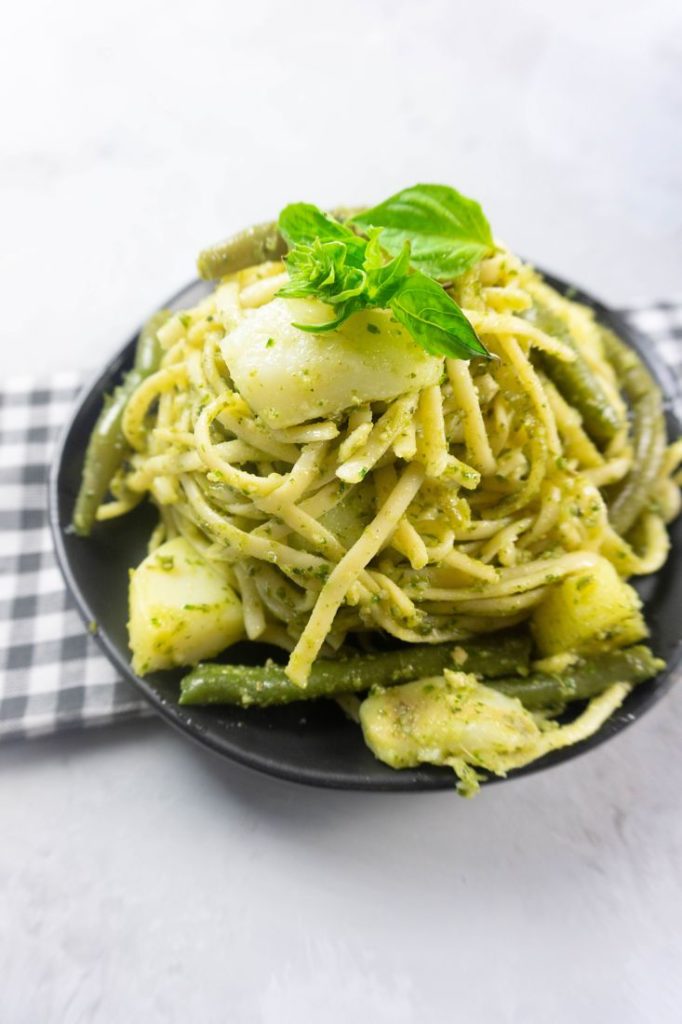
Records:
x=349, y=274
x=329, y=261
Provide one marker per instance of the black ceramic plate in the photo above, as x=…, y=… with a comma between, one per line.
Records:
x=309, y=743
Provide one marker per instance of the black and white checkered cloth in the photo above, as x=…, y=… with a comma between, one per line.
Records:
x=52, y=672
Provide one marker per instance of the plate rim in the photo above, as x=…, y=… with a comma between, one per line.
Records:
x=424, y=778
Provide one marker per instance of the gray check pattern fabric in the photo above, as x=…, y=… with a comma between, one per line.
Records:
x=53, y=674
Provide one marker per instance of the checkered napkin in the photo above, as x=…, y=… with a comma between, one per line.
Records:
x=52, y=672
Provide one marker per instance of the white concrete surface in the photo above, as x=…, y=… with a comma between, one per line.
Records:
x=140, y=878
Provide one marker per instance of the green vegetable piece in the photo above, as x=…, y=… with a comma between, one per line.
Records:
x=107, y=447
x=256, y=244
x=630, y=498
x=434, y=320
x=448, y=233
x=266, y=685
x=586, y=679
x=575, y=380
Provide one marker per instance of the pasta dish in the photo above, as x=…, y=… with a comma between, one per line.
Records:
x=390, y=449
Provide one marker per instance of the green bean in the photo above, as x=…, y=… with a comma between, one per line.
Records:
x=648, y=433
x=247, y=248
x=253, y=245
x=266, y=685
x=107, y=446
x=575, y=380
x=582, y=681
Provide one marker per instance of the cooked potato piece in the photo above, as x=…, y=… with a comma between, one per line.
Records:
x=181, y=609
x=444, y=717
x=289, y=376
x=588, y=613
x=458, y=721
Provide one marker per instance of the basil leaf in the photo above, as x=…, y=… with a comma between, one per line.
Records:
x=304, y=223
x=435, y=320
x=448, y=232
x=384, y=280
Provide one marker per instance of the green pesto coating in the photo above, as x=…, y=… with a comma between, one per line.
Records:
x=630, y=498
x=265, y=685
x=107, y=447
x=585, y=680
x=575, y=380
x=257, y=244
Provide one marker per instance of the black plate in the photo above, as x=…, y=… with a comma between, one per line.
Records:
x=308, y=743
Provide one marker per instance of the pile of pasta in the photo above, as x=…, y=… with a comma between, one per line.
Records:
x=432, y=515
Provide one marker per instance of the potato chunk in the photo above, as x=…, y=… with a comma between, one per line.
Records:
x=437, y=719
x=289, y=376
x=455, y=720
x=588, y=613
x=181, y=609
